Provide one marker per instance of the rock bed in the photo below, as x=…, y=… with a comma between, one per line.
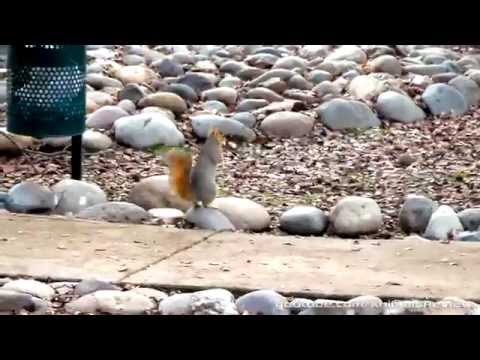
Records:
x=408, y=124
x=96, y=297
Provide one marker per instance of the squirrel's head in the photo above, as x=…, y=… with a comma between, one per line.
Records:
x=217, y=135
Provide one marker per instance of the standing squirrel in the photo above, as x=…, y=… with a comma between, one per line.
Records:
x=197, y=184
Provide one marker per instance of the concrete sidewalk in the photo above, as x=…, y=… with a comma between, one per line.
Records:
x=63, y=249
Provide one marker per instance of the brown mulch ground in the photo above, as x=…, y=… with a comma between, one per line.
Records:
x=437, y=158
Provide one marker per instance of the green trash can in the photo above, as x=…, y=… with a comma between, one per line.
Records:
x=46, y=90
x=46, y=94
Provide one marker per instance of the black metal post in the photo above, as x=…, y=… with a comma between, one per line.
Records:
x=77, y=157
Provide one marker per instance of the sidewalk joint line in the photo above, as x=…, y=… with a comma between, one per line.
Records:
x=168, y=256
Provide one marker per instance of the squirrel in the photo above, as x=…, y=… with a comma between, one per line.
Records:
x=196, y=184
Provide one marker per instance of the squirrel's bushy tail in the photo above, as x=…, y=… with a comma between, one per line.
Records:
x=180, y=164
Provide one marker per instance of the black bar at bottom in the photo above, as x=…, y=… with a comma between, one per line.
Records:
x=77, y=157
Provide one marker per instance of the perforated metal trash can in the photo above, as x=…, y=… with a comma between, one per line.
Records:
x=46, y=90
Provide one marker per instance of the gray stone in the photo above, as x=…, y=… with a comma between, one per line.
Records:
x=209, y=219
x=366, y=305
x=468, y=88
x=442, y=98
x=152, y=294
x=205, y=66
x=167, y=215
x=158, y=110
x=99, y=81
x=41, y=307
x=134, y=74
x=213, y=302
x=202, y=124
x=468, y=62
x=282, y=74
x=262, y=302
x=443, y=224
x=474, y=75
x=89, y=286
x=128, y=106
x=57, y=142
x=421, y=81
x=75, y=195
x=263, y=61
x=29, y=197
x=327, y=307
x=304, y=220
x=415, y=214
x=327, y=88
x=224, y=94
x=215, y=106
x=424, y=51
x=111, y=302
x=94, y=68
x=354, y=215
x=444, y=77
x=332, y=67
x=167, y=68
x=398, y=107
x=350, y=75
x=275, y=84
x=144, y=130
x=230, y=81
x=374, y=51
x=165, y=100
x=183, y=58
x=290, y=62
x=15, y=301
x=366, y=87
x=315, y=51
x=269, y=50
x=428, y=70
x=132, y=59
x=3, y=91
x=338, y=114
x=287, y=124
x=232, y=67
x=198, y=82
x=178, y=304
x=100, y=98
x=101, y=53
x=251, y=104
x=387, y=64
x=470, y=219
x=105, y=117
x=348, y=52
x=263, y=93
x=246, y=118
x=434, y=60
x=319, y=76
x=132, y=92
x=115, y=211
x=250, y=73
x=468, y=236
x=184, y=91
x=95, y=141
x=244, y=214
x=154, y=192
x=31, y=287
x=299, y=82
